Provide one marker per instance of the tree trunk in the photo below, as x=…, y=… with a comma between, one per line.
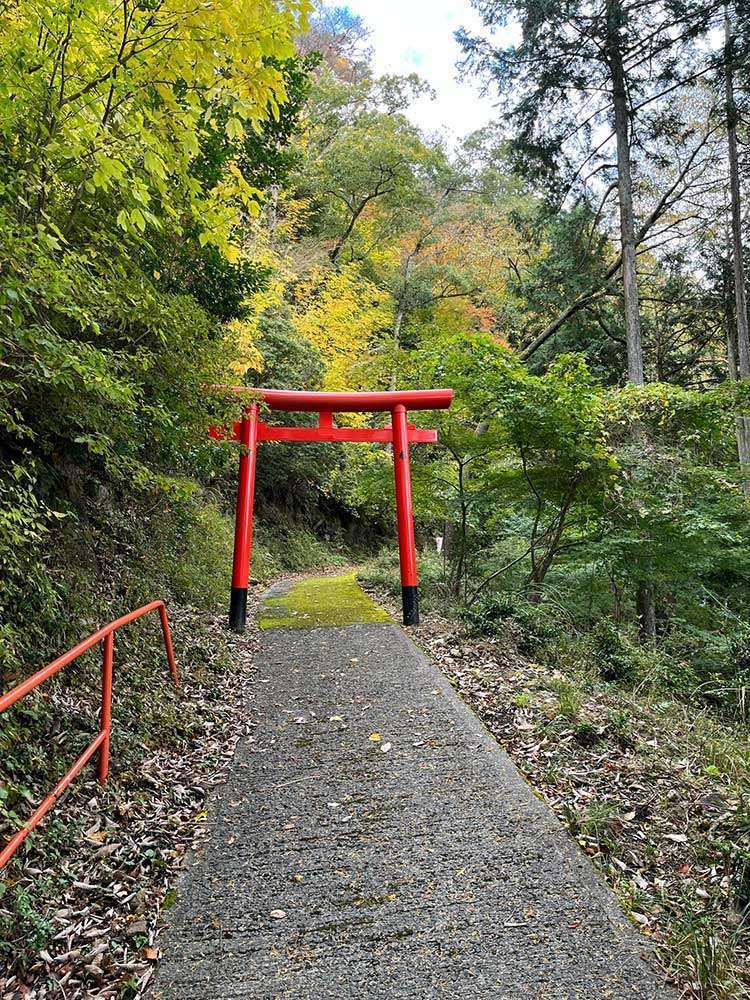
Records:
x=741, y=424
x=400, y=314
x=738, y=339
x=644, y=597
x=646, y=610
x=731, y=334
x=740, y=293
x=449, y=552
x=625, y=191
x=273, y=207
x=616, y=599
x=535, y=583
x=540, y=567
x=742, y=430
x=461, y=568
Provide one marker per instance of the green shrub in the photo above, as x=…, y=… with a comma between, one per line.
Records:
x=24, y=922
x=491, y=616
x=615, y=655
x=540, y=624
x=620, y=723
x=30, y=601
x=532, y=626
x=730, y=682
x=264, y=564
x=203, y=571
x=657, y=669
x=383, y=571
x=291, y=548
x=569, y=697
x=607, y=653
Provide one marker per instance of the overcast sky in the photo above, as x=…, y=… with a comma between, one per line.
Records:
x=411, y=36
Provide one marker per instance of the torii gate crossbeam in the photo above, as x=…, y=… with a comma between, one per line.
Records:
x=250, y=431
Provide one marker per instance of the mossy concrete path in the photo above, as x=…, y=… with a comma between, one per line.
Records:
x=373, y=841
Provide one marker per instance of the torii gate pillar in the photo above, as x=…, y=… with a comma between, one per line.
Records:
x=243, y=521
x=407, y=548
x=250, y=431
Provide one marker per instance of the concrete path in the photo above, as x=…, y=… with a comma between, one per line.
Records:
x=414, y=865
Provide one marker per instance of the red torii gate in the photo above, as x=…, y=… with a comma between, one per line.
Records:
x=250, y=431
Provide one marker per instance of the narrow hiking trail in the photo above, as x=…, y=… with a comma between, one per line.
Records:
x=373, y=840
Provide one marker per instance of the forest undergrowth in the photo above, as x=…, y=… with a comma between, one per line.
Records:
x=652, y=787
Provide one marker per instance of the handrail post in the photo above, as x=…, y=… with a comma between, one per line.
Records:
x=168, y=644
x=105, y=719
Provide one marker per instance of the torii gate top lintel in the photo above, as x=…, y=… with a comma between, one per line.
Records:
x=250, y=431
x=293, y=400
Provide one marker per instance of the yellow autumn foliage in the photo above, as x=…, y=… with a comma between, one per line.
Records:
x=343, y=313
x=267, y=247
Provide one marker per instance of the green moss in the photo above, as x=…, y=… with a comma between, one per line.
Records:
x=321, y=601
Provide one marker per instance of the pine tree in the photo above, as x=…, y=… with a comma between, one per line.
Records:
x=578, y=81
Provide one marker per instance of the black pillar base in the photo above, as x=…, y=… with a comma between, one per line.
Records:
x=238, y=609
x=410, y=604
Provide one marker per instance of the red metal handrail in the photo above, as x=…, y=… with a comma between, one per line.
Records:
x=105, y=635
